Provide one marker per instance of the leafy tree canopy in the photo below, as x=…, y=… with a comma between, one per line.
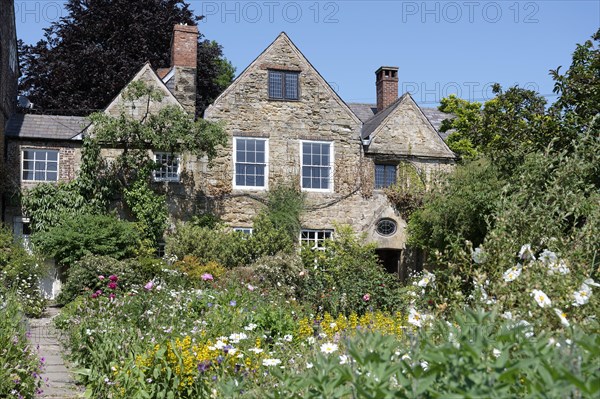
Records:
x=89, y=55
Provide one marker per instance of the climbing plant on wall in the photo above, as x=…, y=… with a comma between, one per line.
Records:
x=129, y=177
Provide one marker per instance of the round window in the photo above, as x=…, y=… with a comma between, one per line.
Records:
x=386, y=227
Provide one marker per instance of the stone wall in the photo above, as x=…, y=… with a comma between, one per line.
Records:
x=69, y=161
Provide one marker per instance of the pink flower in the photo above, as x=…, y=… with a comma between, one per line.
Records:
x=366, y=297
x=149, y=285
x=100, y=277
x=112, y=296
x=113, y=278
x=207, y=276
x=112, y=285
x=94, y=295
x=251, y=287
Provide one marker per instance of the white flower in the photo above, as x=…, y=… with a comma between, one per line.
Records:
x=478, y=255
x=496, y=352
x=548, y=257
x=415, y=318
x=559, y=267
x=591, y=282
x=237, y=337
x=424, y=365
x=271, y=362
x=333, y=325
x=512, y=273
x=255, y=350
x=311, y=340
x=405, y=357
x=343, y=359
x=220, y=345
x=541, y=298
x=507, y=315
x=287, y=338
x=526, y=253
x=562, y=316
x=328, y=347
x=582, y=296
x=427, y=278
x=250, y=327
x=526, y=328
x=309, y=365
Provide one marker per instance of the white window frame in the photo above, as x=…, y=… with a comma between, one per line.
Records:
x=266, y=163
x=245, y=230
x=46, y=165
x=331, y=166
x=169, y=156
x=316, y=239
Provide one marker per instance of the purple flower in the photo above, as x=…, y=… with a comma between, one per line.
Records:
x=113, y=278
x=149, y=285
x=207, y=276
x=366, y=297
x=232, y=303
x=112, y=296
x=112, y=285
x=100, y=277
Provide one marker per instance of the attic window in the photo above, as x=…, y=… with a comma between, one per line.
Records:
x=283, y=85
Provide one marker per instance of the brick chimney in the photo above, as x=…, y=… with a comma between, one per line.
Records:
x=386, y=81
x=184, y=49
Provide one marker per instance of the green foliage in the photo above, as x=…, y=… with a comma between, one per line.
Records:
x=457, y=210
x=579, y=88
x=83, y=276
x=148, y=209
x=20, y=273
x=82, y=235
x=20, y=374
x=194, y=270
x=285, y=204
x=407, y=194
x=337, y=278
x=68, y=72
x=467, y=118
x=282, y=271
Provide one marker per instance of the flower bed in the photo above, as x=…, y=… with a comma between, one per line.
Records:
x=20, y=367
x=244, y=341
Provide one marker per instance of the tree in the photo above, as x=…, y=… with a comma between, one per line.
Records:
x=505, y=128
x=579, y=88
x=88, y=56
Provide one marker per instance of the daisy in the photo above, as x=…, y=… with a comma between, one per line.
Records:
x=328, y=348
x=427, y=278
x=582, y=296
x=562, y=316
x=512, y=273
x=271, y=362
x=415, y=318
x=541, y=298
x=526, y=253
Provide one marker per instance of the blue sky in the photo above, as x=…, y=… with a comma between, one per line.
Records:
x=441, y=47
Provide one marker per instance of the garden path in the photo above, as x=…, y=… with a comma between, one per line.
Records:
x=59, y=379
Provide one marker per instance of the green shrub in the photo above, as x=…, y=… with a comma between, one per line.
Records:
x=84, y=275
x=281, y=272
x=346, y=276
x=82, y=235
x=21, y=272
x=196, y=272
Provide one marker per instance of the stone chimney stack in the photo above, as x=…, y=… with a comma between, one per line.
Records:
x=184, y=49
x=386, y=81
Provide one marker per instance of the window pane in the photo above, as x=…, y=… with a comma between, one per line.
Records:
x=40, y=176
x=52, y=155
x=27, y=175
x=27, y=154
x=51, y=176
x=291, y=85
x=40, y=165
x=275, y=84
x=52, y=166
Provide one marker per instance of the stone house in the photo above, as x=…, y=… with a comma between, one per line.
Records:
x=9, y=72
x=285, y=125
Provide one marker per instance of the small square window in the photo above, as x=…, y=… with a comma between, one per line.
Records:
x=385, y=175
x=283, y=85
x=314, y=238
x=244, y=230
x=40, y=165
x=167, y=167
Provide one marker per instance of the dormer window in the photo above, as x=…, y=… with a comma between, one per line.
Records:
x=283, y=85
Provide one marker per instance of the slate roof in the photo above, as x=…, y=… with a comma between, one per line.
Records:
x=365, y=112
x=52, y=127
